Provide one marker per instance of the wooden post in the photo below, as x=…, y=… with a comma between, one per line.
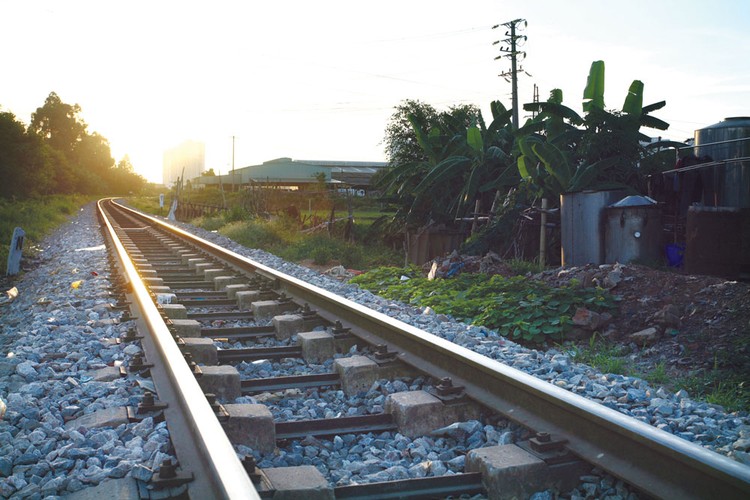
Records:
x=475, y=223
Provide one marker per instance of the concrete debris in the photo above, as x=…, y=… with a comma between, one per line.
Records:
x=645, y=337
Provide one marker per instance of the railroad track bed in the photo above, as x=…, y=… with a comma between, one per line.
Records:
x=57, y=353
x=703, y=423
x=424, y=428
x=327, y=407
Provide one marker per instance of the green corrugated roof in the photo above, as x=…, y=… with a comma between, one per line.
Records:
x=284, y=170
x=288, y=171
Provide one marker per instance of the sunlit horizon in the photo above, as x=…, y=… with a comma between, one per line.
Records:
x=319, y=82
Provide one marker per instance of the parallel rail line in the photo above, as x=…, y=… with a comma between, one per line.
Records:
x=656, y=462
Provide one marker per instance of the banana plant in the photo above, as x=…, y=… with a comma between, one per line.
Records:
x=481, y=162
x=562, y=152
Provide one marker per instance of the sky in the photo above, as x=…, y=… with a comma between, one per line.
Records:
x=256, y=81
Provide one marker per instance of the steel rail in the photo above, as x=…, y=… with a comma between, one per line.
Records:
x=196, y=434
x=653, y=460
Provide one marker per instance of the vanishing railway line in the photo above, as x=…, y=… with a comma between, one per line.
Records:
x=188, y=296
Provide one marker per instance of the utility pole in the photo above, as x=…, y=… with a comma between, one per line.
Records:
x=511, y=51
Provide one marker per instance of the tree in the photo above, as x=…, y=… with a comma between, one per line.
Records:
x=446, y=161
x=55, y=154
x=417, y=139
x=209, y=173
x=401, y=145
x=122, y=179
x=59, y=124
x=22, y=167
x=125, y=165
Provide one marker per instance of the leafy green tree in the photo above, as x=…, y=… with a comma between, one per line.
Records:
x=59, y=124
x=56, y=154
x=122, y=179
x=22, y=167
x=400, y=142
x=443, y=161
x=93, y=161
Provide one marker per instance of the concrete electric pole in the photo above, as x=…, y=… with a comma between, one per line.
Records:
x=511, y=51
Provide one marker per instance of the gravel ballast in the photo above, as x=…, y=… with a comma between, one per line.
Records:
x=55, y=338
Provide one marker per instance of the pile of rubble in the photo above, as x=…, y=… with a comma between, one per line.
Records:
x=666, y=316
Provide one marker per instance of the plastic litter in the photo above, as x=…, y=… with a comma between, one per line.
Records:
x=76, y=284
x=91, y=249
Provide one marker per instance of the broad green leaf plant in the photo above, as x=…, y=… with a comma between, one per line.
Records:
x=562, y=152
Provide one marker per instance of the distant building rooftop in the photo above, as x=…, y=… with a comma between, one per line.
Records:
x=289, y=172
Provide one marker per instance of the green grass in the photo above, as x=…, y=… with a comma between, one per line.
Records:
x=603, y=355
x=723, y=386
x=282, y=237
x=719, y=387
x=658, y=375
x=149, y=205
x=37, y=217
x=519, y=266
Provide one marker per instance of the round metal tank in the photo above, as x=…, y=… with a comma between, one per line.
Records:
x=633, y=231
x=728, y=185
x=582, y=225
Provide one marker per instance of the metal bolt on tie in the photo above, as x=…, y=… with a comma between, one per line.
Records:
x=338, y=329
x=251, y=467
x=308, y=313
x=149, y=403
x=168, y=476
x=130, y=336
x=381, y=353
x=447, y=392
x=218, y=409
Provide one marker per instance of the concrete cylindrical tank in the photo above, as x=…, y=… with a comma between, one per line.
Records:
x=633, y=231
x=582, y=225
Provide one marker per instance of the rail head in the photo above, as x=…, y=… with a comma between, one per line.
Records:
x=627, y=448
x=222, y=474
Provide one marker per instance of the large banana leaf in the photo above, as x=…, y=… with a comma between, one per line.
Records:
x=555, y=162
x=634, y=100
x=653, y=122
x=593, y=94
x=443, y=171
x=495, y=155
x=585, y=174
x=474, y=139
x=654, y=106
x=527, y=168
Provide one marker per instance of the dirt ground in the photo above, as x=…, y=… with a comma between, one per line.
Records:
x=689, y=323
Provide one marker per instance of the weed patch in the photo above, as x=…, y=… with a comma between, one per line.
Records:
x=516, y=307
x=37, y=217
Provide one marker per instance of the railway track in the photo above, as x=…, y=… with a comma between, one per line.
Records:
x=189, y=296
